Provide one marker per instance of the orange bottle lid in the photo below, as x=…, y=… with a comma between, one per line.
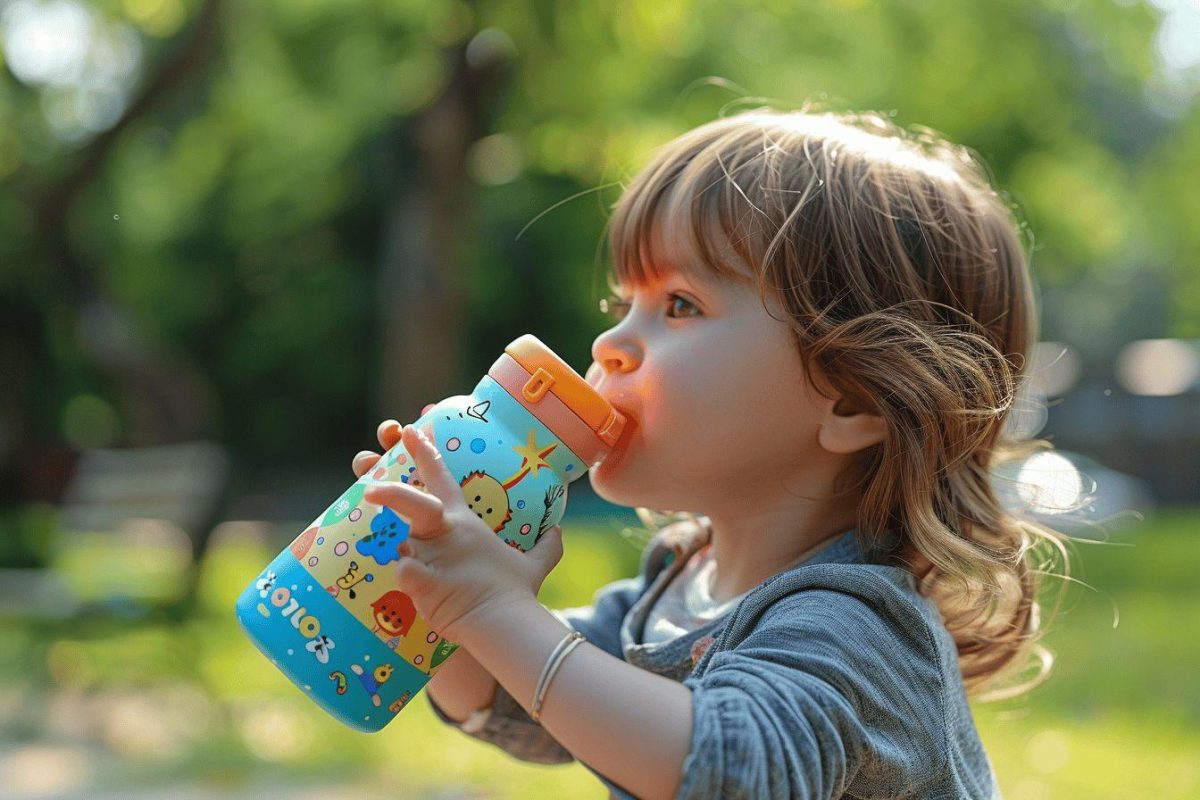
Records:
x=542, y=373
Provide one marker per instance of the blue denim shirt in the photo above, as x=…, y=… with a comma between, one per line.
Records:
x=834, y=678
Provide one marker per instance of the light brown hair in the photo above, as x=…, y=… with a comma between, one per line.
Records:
x=906, y=281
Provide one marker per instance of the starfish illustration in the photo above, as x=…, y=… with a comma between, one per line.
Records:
x=532, y=459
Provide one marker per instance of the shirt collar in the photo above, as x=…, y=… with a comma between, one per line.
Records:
x=841, y=549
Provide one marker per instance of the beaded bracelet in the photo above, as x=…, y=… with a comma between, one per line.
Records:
x=475, y=722
x=569, y=642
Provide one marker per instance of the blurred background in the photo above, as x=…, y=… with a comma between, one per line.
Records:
x=235, y=236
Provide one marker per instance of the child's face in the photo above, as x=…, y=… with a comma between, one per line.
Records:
x=720, y=412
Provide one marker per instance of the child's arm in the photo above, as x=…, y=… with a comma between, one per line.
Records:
x=469, y=687
x=626, y=723
x=507, y=724
x=460, y=687
x=825, y=694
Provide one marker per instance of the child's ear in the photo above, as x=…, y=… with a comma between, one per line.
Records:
x=849, y=426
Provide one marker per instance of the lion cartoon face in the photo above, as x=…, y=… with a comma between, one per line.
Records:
x=394, y=612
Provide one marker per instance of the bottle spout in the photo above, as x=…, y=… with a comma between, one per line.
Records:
x=610, y=430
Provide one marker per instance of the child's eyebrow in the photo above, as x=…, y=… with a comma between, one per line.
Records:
x=668, y=272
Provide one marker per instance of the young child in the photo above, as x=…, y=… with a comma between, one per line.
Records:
x=821, y=321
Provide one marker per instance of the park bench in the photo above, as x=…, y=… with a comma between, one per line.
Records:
x=134, y=527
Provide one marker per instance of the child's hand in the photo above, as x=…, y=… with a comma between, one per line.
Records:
x=453, y=565
x=388, y=434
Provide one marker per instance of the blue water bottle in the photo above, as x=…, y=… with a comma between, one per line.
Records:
x=327, y=610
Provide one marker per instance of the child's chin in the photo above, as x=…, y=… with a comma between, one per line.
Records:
x=627, y=490
x=608, y=484
x=615, y=467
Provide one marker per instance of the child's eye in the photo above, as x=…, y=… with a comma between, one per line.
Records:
x=687, y=303
x=618, y=308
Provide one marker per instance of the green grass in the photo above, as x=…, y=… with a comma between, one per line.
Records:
x=1120, y=714
x=196, y=702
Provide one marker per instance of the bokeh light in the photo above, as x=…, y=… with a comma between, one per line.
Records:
x=1055, y=368
x=495, y=160
x=1050, y=484
x=1158, y=367
x=84, y=65
x=90, y=421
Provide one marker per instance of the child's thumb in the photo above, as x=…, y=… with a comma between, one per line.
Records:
x=548, y=551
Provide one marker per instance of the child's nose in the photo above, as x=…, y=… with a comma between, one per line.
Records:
x=608, y=358
x=619, y=363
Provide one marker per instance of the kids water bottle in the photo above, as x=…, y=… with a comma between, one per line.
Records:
x=327, y=610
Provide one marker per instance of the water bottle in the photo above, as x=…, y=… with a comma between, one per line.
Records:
x=327, y=610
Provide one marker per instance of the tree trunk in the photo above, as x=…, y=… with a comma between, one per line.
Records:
x=421, y=300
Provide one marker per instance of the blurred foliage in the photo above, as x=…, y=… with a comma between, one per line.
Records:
x=196, y=704
x=26, y=535
x=238, y=219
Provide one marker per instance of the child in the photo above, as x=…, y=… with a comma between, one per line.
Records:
x=821, y=321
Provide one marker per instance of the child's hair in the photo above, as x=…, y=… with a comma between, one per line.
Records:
x=905, y=280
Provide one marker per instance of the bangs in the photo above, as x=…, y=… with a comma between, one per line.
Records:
x=680, y=215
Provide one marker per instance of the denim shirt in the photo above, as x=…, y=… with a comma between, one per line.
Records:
x=834, y=678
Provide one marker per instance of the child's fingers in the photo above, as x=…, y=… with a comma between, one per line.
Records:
x=431, y=466
x=363, y=461
x=424, y=511
x=388, y=433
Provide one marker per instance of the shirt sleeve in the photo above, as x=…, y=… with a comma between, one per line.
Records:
x=508, y=726
x=825, y=696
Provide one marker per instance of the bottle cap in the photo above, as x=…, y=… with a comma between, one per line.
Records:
x=559, y=397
